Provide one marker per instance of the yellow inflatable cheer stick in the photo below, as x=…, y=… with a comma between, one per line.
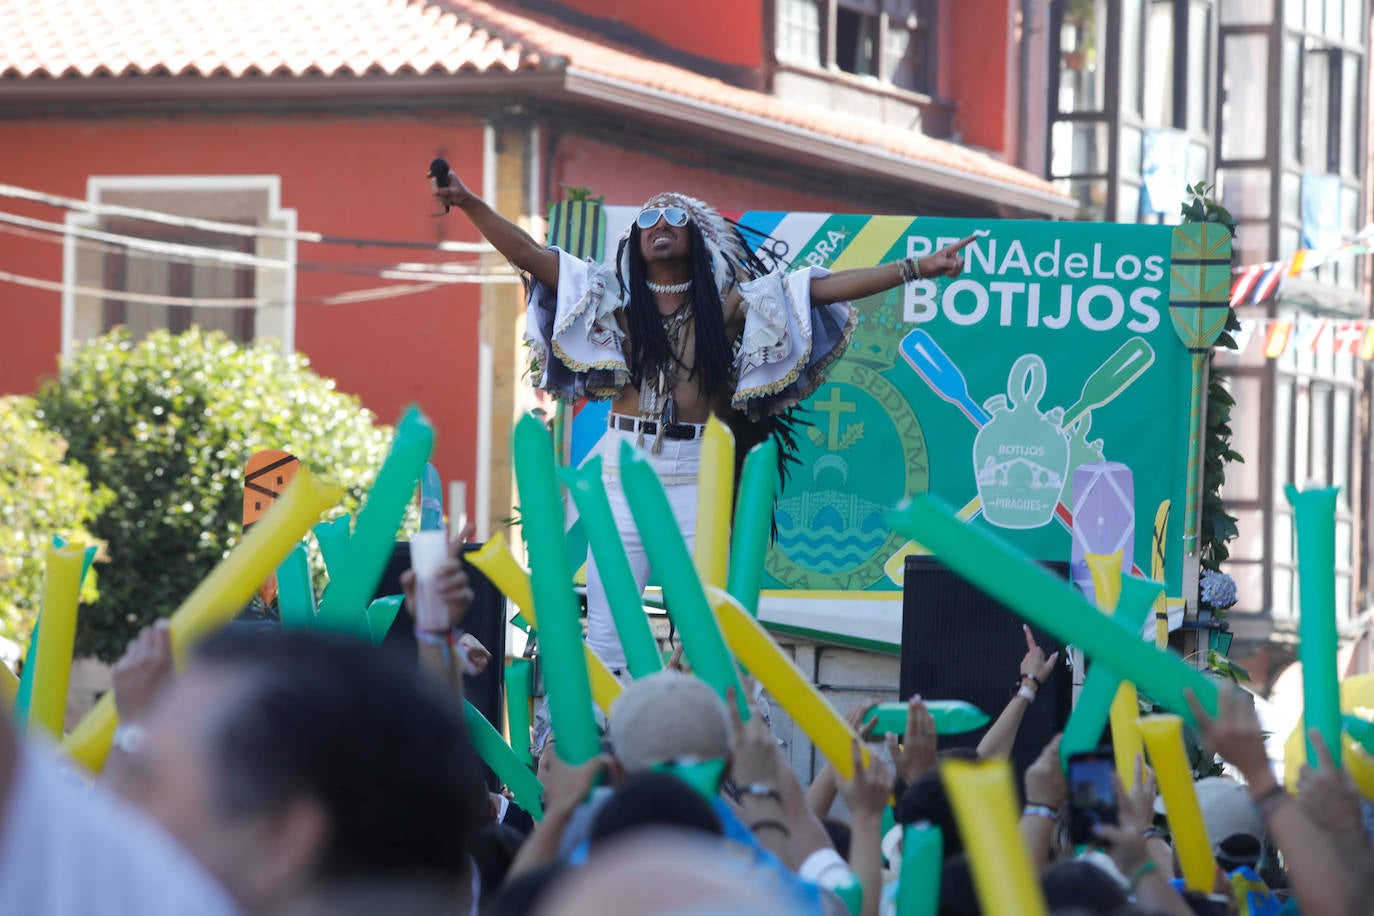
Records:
x=1157, y=573
x=715, y=494
x=220, y=596
x=52, y=667
x=1164, y=737
x=1356, y=691
x=1106, y=572
x=497, y=563
x=759, y=652
x=983, y=797
x=9, y=685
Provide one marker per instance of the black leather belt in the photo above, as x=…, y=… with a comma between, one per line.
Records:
x=685, y=431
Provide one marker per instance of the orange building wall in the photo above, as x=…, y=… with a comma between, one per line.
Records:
x=986, y=92
x=730, y=31
x=628, y=177
x=355, y=178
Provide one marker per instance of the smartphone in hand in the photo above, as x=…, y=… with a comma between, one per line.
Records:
x=1092, y=794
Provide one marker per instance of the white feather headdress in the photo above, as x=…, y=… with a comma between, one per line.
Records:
x=723, y=244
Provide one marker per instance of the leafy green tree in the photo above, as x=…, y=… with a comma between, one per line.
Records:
x=167, y=423
x=41, y=495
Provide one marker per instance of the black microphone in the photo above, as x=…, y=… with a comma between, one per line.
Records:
x=440, y=172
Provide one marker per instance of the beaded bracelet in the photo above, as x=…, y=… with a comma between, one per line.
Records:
x=909, y=269
x=450, y=642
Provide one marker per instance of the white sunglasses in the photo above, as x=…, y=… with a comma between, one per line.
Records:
x=649, y=217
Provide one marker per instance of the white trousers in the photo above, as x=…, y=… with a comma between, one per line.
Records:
x=677, y=467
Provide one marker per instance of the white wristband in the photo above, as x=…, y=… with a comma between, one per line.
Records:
x=1026, y=693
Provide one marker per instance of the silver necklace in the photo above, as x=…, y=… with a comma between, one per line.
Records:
x=669, y=289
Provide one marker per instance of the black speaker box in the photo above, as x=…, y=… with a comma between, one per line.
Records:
x=960, y=644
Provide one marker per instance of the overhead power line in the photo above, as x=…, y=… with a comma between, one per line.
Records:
x=208, y=225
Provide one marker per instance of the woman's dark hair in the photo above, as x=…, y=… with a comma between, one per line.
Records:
x=493, y=850
x=1081, y=884
x=958, y=896
x=840, y=835
x=523, y=894
x=653, y=800
x=649, y=348
x=926, y=800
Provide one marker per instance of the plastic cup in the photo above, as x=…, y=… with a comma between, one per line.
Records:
x=428, y=553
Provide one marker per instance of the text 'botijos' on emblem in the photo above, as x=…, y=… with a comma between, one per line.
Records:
x=1021, y=456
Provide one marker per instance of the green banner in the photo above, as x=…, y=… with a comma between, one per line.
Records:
x=1056, y=348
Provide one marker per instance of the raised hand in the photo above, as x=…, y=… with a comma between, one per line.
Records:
x=1125, y=840
x=454, y=587
x=1045, y=782
x=755, y=757
x=141, y=671
x=1327, y=796
x=478, y=655
x=1141, y=799
x=1235, y=734
x=947, y=262
x=869, y=790
x=917, y=754
x=1035, y=665
x=855, y=718
x=445, y=185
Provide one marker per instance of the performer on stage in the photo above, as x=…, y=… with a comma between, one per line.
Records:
x=686, y=323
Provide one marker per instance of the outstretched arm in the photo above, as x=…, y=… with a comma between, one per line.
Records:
x=1035, y=670
x=514, y=243
x=848, y=285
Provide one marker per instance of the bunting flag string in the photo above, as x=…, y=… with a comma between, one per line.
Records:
x=1255, y=283
x=1276, y=336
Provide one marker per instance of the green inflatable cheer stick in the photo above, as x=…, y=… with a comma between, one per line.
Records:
x=332, y=536
x=952, y=717
x=1083, y=732
x=295, y=592
x=753, y=524
x=923, y=859
x=518, y=708
x=1361, y=730
x=1314, y=517
x=353, y=580
x=1056, y=607
x=555, y=603
x=497, y=754
x=682, y=589
x=622, y=592
x=381, y=614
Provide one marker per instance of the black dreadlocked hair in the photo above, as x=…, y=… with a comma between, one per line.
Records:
x=649, y=344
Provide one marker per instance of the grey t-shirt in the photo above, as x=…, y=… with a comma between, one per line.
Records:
x=66, y=850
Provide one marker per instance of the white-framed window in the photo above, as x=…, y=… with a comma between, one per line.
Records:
x=172, y=288
x=888, y=40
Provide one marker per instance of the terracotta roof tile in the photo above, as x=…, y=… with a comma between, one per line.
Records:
x=97, y=39
x=82, y=38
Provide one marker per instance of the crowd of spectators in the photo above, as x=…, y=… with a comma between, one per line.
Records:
x=299, y=772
